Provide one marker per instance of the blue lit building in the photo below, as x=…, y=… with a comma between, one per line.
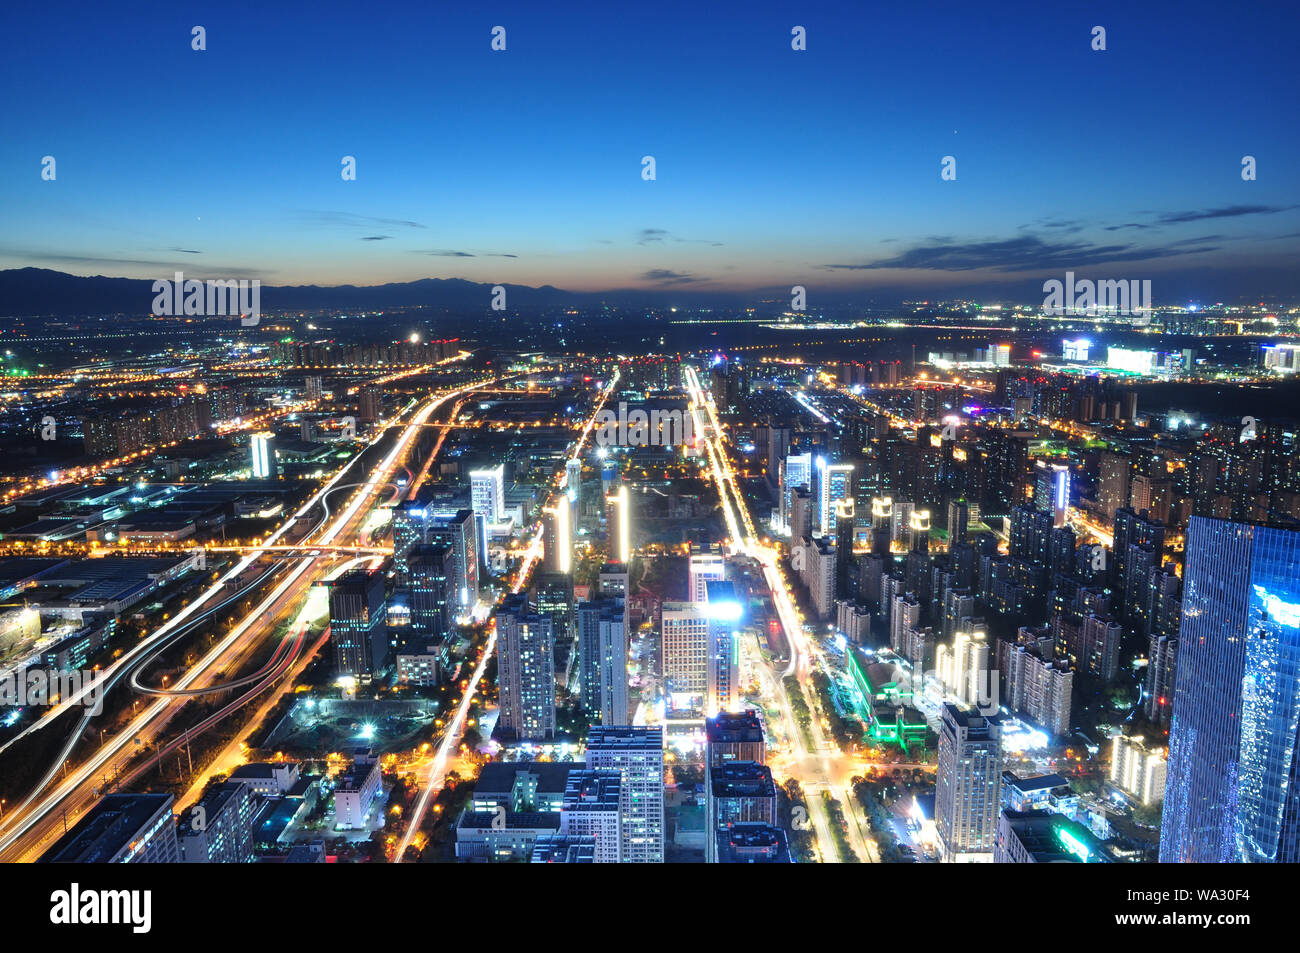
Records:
x=1231, y=793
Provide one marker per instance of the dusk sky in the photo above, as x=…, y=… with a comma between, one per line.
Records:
x=774, y=167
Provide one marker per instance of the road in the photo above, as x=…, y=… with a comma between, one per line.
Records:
x=30, y=826
x=435, y=774
x=825, y=767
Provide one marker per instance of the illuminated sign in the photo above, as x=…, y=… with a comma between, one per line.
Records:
x=1073, y=844
x=1076, y=350
x=1127, y=359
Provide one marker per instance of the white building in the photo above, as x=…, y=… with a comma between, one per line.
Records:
x=355, y=792
x=1040, y=689
x=1137, y=770
x=964, y=668
x=705, y=568
x=487, y=493
x=263, y=456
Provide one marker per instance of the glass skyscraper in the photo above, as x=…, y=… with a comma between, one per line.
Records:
x=1231, y=794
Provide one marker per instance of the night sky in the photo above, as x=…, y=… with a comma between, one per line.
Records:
x=774, y=167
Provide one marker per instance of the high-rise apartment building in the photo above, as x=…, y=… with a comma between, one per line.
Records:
x=968, y=785
x=525, y=671
x=637, y=754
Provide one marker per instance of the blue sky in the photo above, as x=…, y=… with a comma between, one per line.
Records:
x=774, y=167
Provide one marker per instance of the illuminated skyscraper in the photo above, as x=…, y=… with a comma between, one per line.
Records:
x=797, y=473
x=358, y=622
x=557, y=543
x=835, y=484
x=1231, y=794
x=724, y=612
x=263, y=450
x=487, y=494
x=573, y=480
x=602, y=660
x=684, y=634
x=619, y=524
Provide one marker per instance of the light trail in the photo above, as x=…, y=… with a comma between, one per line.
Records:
x=21, y=821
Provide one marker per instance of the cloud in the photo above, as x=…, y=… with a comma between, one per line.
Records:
x=187, y=251
x=647, y=235
x=665, y=276
x=1228, y=211
x=375, y=238
x=329, y=219
x=1027, y=253
x=454, y=253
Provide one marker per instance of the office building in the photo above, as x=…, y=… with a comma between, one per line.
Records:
x=1043, y=837
x=704, y=568
x=835, y=485
x=355, y=791
x=752, y=843
x=602, y=660
x=1231, y=794
x=684, y=646
x=796, y=475
x=737, y=792
x=734, y=736
x=459, y=530
x=264, y=465
x=121, y=829
x=430, y=570
x=358, y=626
x=487, y=490
x=219, y=829
x=724, y=611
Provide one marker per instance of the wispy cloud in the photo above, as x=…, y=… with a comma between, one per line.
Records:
x=1027, y=253
x=454, y=253
x=648, y=235
x=665, y=276
x=317, y=218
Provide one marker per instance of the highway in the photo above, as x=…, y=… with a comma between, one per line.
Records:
x=29, y=826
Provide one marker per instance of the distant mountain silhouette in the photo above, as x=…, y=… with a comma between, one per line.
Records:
x=40, y=291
